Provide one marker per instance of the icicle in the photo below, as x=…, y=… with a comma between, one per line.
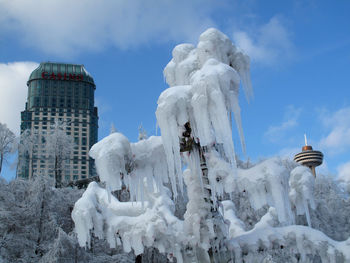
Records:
x=237, y=115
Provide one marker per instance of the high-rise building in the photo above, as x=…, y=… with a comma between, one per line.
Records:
x=64, y=93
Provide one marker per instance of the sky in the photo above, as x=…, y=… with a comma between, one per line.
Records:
x=299, y=50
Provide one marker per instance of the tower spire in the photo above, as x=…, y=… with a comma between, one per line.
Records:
x=305, y=139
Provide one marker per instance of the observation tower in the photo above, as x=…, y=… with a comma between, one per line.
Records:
x=308, y=157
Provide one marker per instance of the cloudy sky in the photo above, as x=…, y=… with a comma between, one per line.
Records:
x=300, y=63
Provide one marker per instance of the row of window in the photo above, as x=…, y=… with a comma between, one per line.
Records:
x=52, y=119
x=68, y=123
x=67, y=177
x=59, y=112
x=68, y=68
x=58, y=84
x=54, y=110
x=50, y=166
x=61, y=92
x=73, y=159
x=75, y=124
x=63, y=114
x=54, y=102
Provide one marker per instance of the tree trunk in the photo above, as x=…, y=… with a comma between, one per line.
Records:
x=1, y=159
x=38, y=250
x=57, y=172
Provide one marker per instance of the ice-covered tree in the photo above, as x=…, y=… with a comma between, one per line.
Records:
x=142, y=133
x=36, y=225
x=7, y=143
x=59, y=147
x=113, y=129
x=269, y=212
x=27, y=142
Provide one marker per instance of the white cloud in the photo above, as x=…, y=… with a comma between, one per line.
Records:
x=277, y=132
x=65, y=26
x=289, y=152
x=344, y=172
x=338, y=138
x=13, y=92
x=268, y=43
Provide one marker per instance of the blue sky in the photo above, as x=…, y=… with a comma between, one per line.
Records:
x=300, y=63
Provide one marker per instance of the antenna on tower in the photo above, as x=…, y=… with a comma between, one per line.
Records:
x=305, y=139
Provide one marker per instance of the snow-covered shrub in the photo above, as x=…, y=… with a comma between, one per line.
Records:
x=36, y=225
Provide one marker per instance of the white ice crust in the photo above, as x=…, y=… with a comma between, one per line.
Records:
x=118, y=161
x=132, y=224
x=204, y=86
x=151, y=223
x=262, y=205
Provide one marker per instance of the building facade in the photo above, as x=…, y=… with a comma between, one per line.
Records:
x=61, y=93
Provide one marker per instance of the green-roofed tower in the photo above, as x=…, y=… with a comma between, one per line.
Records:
x=61, y=92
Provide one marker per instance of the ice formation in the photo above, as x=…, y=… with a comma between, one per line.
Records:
x=301, y=184
x=120, y=162
x=249, y=215
x=136, y=225
x=204, y=86
x=131, y=224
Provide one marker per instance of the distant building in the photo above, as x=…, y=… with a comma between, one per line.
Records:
x=63, y=92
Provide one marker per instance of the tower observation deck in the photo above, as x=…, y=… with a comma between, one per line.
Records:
x=308, y=157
